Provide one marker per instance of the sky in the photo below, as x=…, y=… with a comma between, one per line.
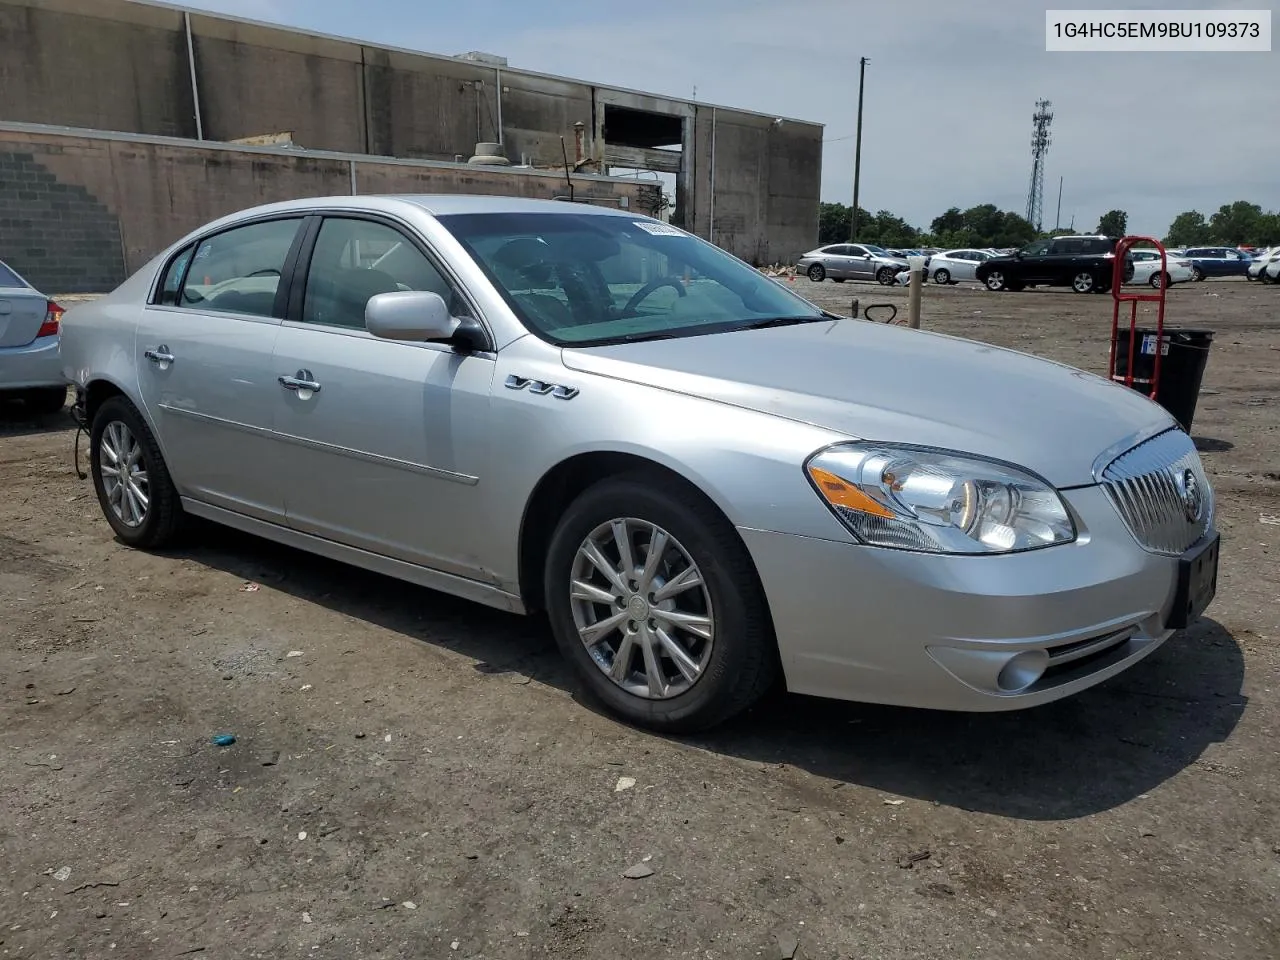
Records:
x=950, y=90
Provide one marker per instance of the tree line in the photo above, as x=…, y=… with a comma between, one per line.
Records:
x=985, y=225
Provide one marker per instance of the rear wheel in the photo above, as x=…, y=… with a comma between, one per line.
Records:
x=1083, y=282
x=887, y=276
x=45, y=401
x=1197, y=274
x=655, y=602
x=1159, y=280
x=941, y=275
x=817, y=273
x=134, y=489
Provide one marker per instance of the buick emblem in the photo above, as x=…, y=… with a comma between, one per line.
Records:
x=1192, y=496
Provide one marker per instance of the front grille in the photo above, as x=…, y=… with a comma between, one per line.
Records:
x=1153, y=485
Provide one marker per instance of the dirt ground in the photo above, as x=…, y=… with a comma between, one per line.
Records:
x=415, y=776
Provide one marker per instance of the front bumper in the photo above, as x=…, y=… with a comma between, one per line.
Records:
x=942, y=632
x=34, y=365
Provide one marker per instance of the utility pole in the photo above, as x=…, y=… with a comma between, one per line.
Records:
x=1057, y=219
x=857, y=154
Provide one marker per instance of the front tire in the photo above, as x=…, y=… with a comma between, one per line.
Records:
x=817, y=273
x=134, y=489
x=1197, y=274
x=887, y=276
x=995, y=281
x=649, y=572
x=941, y=275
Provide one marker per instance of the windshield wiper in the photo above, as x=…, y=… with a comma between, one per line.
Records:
x=783, y=322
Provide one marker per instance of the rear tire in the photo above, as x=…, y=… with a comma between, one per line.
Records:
x=130, y=477
x=1159, y=280
x=1084, y=282
x=817, y=273
x=1197, y=274
x=742, y=661
x=45, y=401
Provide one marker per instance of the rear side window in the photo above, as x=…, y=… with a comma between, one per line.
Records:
x=170, y=285
x=238, y=271
x=10, y=279
x=1068, y=246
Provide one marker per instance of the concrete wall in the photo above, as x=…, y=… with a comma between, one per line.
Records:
x=79, y=213
x=120, y=65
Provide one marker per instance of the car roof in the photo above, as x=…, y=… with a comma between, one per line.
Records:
x=438, y=205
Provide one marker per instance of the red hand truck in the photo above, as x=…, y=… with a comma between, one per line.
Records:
x=1118, y=297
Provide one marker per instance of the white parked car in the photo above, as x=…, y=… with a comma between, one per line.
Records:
x=1261, y=261
x=952, y=266
x=1144, y=267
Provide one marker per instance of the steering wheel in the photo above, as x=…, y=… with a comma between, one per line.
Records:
x=265, y=272
x=655, y=284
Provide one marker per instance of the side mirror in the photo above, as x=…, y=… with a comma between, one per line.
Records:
x=1017, y=254
x=415, y=315
x=866, y=256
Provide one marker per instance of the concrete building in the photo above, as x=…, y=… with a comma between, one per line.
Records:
x=166, y=92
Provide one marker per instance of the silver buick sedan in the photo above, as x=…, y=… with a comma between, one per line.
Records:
x=707, y=483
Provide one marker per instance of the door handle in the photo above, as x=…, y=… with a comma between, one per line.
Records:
x=160, y=354
x=302, y=380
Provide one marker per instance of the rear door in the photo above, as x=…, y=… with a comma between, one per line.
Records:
x=387, y=451
x=966, y=262
x=204, y=348
x=22, y=310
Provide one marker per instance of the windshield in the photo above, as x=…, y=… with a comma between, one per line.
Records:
x=584, y=279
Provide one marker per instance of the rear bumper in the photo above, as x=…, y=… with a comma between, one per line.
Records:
x=945, y=632
x=35, y=365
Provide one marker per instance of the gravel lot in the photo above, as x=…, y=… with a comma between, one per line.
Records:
x=422, y=779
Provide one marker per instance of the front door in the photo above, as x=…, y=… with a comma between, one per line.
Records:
x=384, y=443
x=204, y=359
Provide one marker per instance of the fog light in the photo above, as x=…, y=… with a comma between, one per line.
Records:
x=1022, y=671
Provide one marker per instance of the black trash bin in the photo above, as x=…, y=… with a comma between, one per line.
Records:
x=1183, y=357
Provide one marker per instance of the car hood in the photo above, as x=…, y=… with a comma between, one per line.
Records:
x=878, y=382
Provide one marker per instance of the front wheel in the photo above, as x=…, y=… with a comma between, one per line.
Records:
x=996, y=281
x=817, y=273
x=941, y=276
x=887, y=276
x=134, y=489
x=1197, y=274
x=655, y=602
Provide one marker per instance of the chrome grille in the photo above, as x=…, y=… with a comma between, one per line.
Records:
x=1151, y=486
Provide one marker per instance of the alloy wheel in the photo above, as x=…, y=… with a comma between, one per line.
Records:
x=1082, y=282
x=641, y=608
x=995, y=280
x=124, y=474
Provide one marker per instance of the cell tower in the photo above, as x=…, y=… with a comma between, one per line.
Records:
x=1039, y=147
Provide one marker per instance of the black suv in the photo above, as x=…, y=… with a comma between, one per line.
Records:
x=1084, y=264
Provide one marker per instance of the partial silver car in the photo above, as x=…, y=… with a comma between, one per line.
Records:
x=1261, y=260
x=29, y=366
x=850, y=261
x=707, y=482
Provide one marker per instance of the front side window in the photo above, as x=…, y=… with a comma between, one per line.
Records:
x=851, y=251
x=1037, y=249
x=238, y=270
x=355, y=260
x=590, y=279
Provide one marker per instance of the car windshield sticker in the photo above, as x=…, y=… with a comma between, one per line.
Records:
x=658, y=229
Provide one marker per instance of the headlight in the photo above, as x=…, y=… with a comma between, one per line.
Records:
x=937, y=502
